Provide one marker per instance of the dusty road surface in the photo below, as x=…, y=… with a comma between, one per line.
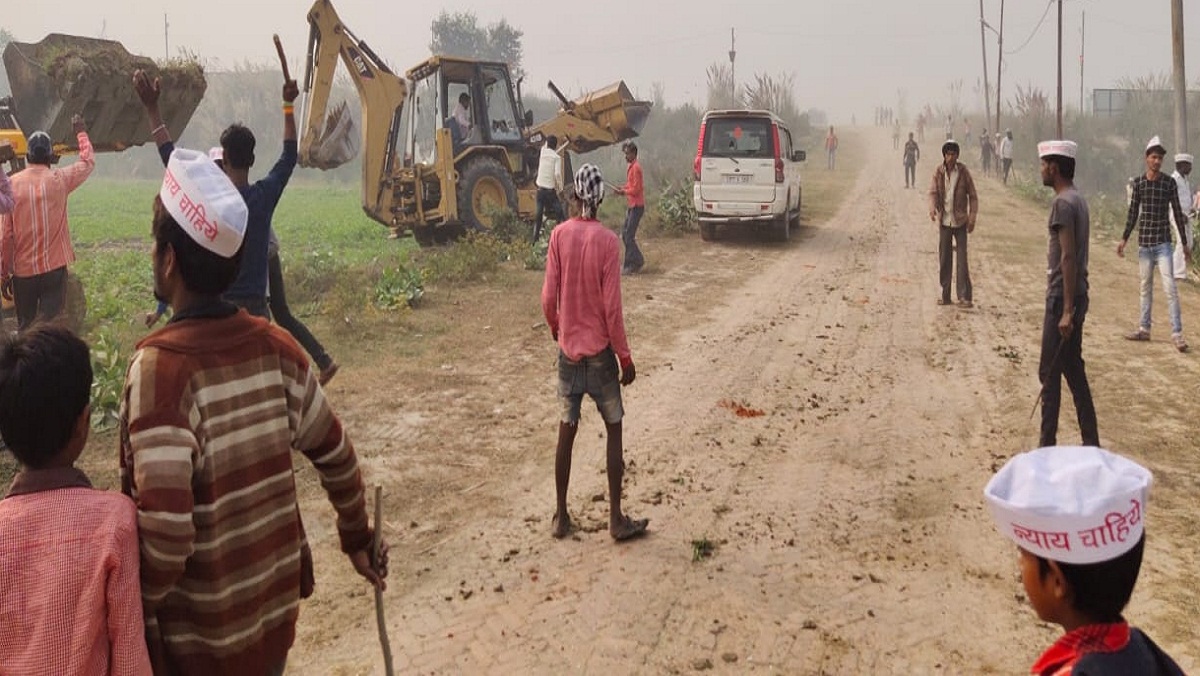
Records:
x=844, y=526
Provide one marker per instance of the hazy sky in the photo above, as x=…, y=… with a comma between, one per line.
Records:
x=847, y=55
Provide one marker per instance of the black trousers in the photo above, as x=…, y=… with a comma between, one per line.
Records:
x=910, y=175
x=40, y=297
x=283, y=316
x=950, y=240
x=547, y=204
x=1069, y=363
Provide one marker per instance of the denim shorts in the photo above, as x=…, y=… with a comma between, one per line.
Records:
x=596, y=376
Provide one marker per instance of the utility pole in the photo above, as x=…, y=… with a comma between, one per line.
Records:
x=166, y=40
x=999, y=63
x=987, y=90
x=1181, y=139
x=732, y=71
x=1082, y=26
x=1059, y=103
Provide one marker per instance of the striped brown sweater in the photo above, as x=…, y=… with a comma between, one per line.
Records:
x=212, y=409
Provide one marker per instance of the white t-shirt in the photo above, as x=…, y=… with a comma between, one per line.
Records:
x=463, y=117
x=1006, y=148
x=549, y=169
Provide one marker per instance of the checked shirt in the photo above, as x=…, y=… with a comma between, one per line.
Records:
x=1150, y=204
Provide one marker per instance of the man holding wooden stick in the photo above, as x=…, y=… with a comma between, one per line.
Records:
x=214, y=405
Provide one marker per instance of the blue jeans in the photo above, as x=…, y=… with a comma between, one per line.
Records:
x=1160, y=256
x=597, y=376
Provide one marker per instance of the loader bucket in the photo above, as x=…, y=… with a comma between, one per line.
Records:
x=601, y=118
x=63, y=75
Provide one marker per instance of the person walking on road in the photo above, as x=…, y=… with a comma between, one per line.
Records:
x=912, y=155
x=1066, y=296
x=549, y=185
x=831, y=146
x=634, y=191
x=986, y=149
x=1183, y=171
x=215, y=405
x=896, y=135
x=1006, y=153
x=1154, y=198
x=35, y=240
x=581, y=300
x=953, y=205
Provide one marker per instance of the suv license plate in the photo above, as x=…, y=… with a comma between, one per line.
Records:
x=737, y=178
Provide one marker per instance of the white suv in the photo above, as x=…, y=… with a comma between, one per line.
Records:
x=746, y=173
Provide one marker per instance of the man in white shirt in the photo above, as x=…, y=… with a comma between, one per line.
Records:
x=1183, y=168
x=549, y=184
x=462, y=116
x=1006, y=151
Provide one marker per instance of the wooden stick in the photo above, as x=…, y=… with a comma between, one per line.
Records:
x=383, y=637
x=282, y=59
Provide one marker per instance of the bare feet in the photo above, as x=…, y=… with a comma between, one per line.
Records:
x=561, y=526
x=628, y=528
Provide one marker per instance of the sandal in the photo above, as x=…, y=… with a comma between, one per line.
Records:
x=943, y=301
x=1180, y=343
x=1139, y=335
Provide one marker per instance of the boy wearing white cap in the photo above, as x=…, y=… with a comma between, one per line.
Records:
x=1183, y=169
x=1066, y=296
x=1077, y=516
x=1153, y=200
x=213, y=407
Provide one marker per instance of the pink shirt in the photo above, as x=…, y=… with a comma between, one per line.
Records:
x=581, y=295
x=70, y=602
x=34, y=238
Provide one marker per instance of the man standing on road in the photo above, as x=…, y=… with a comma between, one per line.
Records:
x=985, y=152
x=1006, y=153
x=549, y=185
x=912, y=155
x=896, y=135
x=953, y=205
x=581, y=300
x=1066, y=297
x=213, y=407
x=1153, y=200
x=634, y=191
x=831, y=146
x=35, y=242
x=1183, y=169
x=249, y=290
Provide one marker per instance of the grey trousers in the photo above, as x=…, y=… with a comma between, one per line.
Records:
x=949, y=240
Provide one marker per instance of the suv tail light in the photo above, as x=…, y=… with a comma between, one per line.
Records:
x=778, y=159
x=699, y=152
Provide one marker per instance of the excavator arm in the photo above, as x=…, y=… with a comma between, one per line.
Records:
x=381, y=93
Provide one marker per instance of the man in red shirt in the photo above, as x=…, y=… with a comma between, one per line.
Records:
x=35, y=244
x=635, y=193
x=581, y=299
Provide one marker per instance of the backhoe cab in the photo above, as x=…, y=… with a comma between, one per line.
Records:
x=449, y=144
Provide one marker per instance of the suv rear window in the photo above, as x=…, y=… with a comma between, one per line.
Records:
x=739, y=137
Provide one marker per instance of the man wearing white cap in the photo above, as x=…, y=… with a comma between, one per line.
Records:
x=1077, y=516
x=213, y=407
x=1153, y=199
x=1066, y=296
x=1183, y=169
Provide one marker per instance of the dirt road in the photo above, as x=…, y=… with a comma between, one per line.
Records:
x=848, y=529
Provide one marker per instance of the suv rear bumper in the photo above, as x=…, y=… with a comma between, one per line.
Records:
x=729, y=219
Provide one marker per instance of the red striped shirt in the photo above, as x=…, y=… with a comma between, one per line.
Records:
x=34, y=238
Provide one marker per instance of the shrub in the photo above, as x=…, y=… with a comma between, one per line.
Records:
x=401, y=286
x=675, y=211
x=108, y=379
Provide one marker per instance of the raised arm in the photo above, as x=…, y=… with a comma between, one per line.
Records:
x=148, y=91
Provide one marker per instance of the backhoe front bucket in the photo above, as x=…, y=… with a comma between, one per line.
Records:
x=601, y=118
x=62, y=75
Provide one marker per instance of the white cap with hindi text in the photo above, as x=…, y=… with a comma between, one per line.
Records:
x=1059, y=148
x=1071, y=504
x=204, y=202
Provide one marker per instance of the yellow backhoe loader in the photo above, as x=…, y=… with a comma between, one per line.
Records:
x=421, y=170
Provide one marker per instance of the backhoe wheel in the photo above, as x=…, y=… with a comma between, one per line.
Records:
x=485, y=186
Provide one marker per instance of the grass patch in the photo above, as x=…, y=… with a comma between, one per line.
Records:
x=702, y=548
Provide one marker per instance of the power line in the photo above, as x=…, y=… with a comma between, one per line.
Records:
x=1035, y=29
